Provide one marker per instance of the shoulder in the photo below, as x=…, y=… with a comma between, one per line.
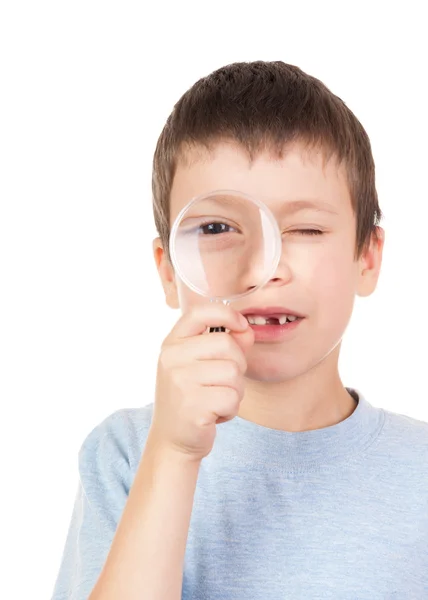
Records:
x=116, y=441
x=406, y=435
x=401, y=424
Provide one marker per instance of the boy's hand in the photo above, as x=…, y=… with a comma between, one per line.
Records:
x=200, y=379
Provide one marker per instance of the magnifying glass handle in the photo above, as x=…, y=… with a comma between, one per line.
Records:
x=213, y=329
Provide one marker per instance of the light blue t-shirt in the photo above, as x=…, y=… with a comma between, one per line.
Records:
x=334, y=513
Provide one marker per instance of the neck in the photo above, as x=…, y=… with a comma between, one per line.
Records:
x=313, y=400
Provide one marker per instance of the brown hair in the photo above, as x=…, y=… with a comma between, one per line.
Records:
x=267, y=105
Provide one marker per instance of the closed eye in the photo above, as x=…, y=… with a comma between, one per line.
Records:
x=307, y=231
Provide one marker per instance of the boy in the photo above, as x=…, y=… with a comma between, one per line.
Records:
x=256, y=474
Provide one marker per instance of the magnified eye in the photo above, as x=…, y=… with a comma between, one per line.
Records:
x=216, y=228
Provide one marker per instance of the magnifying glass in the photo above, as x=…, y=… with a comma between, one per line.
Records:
x=225, y=245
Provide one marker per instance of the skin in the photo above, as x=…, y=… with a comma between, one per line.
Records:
x=292, y=385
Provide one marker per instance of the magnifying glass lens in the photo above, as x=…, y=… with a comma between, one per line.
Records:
x=225, y=245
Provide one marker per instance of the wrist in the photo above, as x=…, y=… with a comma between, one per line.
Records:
x=170, y=454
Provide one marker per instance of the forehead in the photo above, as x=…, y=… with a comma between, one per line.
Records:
x=299, y=179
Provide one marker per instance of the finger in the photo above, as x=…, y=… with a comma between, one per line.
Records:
x=218, y=346
x=196, y=321
x=245, y=339
x=223, y=402
x=223, y=373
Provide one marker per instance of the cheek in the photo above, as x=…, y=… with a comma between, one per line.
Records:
x=187, y=298
x=330, y=276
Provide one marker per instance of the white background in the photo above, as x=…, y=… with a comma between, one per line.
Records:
x=85, y=90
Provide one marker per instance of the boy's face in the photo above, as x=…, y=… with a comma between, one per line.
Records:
x=317, y=276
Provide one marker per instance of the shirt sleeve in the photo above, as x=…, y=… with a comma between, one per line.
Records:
x=102, y=492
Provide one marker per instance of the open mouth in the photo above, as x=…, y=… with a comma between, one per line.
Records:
x=271, y=319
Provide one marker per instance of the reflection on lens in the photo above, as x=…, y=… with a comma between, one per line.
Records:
x=225, y=244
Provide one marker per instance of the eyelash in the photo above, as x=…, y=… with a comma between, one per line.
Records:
x=307, y=231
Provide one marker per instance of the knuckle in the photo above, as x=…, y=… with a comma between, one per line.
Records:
x=232, y=395
x=177, y=377
x=224, y=395
x=232, y=370
x=227, y=343
x=164, y=344
x=165, y=357
x=232, y=398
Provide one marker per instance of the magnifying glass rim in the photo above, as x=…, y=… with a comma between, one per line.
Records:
x=257, y=202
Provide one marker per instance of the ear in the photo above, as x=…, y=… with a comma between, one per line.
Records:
x=166, y=274
x=369, y=264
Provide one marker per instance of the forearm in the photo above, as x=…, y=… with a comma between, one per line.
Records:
x=146, y=557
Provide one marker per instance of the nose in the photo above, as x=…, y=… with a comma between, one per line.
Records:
x=256, y=273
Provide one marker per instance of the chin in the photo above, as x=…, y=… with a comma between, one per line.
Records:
x=265, y=378
x=283, y=368
x=273, y=371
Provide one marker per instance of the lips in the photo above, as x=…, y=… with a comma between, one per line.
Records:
x=274, y=324
x=271, y=311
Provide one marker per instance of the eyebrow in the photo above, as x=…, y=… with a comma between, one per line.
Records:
x=287, y=208
x=307, y=204
x=293, y=206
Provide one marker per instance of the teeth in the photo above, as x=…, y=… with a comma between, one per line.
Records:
x=259, y=320
x=256, y=320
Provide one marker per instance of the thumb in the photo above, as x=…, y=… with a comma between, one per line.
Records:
x=244, y=339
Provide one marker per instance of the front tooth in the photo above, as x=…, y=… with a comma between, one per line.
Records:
x=283, y=320
x=291, y=317
x=259, y=321
x=251, y=320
